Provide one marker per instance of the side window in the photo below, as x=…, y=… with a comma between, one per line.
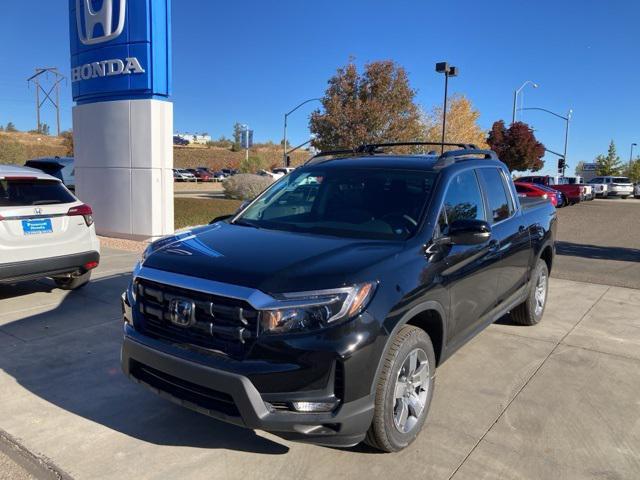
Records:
x=463, y=200
x=498, y=197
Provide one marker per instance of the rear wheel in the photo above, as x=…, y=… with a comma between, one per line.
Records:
x=73, y=283
x=531, y=310
x=404, y=391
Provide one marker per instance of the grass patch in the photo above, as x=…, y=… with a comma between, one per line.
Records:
x=190, y=212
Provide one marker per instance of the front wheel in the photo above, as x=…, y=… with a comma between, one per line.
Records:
x=404, y=391
x=531, y=310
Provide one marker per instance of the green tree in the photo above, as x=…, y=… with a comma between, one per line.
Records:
x=1, y=128
x=516, y=146
x=237, y=137
x=633, y=170
x=252, y=164
x=610, y=163
x=44, y=129
x=11, y=127
x=372, y=107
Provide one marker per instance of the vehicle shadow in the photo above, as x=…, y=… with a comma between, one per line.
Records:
x=598, y=252
x=69, y=356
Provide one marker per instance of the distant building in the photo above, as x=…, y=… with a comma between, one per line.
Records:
x=194, y=138
x=587, y=171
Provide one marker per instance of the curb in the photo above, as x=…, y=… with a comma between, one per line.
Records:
x=38, y=467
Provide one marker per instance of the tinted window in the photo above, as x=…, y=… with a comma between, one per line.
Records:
x=365, y=203
x=522, y=189
x=621, y=180
x=463, y=200
x=497, y=195
x=20, y=193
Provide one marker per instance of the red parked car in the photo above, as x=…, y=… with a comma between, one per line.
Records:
x=202, y=174
x=532, y=190
x=574, y=193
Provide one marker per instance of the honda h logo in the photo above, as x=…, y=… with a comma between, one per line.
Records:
x=88, y=19
x=182, y=312
x=37, y=211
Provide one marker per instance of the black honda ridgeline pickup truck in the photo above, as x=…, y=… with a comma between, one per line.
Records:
x=321, y=310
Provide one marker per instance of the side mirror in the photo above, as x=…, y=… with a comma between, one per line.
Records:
x=468, y=232
x=220, y=219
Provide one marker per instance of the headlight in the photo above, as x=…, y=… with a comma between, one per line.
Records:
x=317, y=309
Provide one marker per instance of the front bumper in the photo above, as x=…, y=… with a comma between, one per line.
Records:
x=46, y=267
x=232, y=397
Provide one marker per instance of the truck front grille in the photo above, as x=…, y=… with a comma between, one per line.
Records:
x=218, y=323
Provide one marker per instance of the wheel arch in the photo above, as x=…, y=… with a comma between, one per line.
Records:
x=429, y=317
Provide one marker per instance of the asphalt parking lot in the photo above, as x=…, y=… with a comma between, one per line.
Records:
x=559, y=400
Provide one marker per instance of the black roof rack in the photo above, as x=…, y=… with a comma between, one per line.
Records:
x=465, y=151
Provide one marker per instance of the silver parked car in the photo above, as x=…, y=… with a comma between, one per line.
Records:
x=617, y=186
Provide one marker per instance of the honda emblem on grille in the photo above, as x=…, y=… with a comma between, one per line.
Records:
x=37, y=211
x=182, y=312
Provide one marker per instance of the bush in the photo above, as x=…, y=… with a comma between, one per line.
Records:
x=245, y=186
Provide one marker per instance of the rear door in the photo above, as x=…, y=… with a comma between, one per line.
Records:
x=34, y=223
x=509, y=228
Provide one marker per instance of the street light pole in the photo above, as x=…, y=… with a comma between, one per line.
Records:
x=286, y=116
x=631, y=154
x=515, y=97
x=449, y=71
x=567, y=119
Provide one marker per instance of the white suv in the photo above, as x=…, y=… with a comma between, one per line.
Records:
x=617, y=186
x=45, y=231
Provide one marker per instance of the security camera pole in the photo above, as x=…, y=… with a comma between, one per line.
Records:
x=449, y=71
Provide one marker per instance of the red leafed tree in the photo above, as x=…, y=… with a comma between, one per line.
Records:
x=516, y=146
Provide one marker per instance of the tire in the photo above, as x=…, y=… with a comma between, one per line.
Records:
x=72, y=283
x=530, y=312
x=624, y=197
x=388, y=432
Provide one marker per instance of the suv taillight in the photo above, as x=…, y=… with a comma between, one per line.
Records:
x=85, y=211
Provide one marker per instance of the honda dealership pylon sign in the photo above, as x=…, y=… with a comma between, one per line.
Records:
x=123, y=120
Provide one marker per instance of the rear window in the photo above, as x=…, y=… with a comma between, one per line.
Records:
x=621, y=180
x=22, y=193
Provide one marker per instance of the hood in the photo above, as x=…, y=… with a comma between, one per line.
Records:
x=269, y=260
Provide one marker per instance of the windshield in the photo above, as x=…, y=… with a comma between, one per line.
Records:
x=363, y=203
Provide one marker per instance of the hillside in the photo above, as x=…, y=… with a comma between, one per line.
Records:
x=18, y=147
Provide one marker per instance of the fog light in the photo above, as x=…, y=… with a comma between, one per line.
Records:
x=315, y=406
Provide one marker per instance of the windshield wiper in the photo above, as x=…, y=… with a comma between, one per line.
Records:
x=245, y=223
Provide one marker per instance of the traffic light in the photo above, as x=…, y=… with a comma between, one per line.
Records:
x=561, y=165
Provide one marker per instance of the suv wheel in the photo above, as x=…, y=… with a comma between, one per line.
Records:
x=404, y=391
x=530, y=312
x=73, y=283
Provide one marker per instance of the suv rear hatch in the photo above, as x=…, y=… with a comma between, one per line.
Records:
x=40, y=218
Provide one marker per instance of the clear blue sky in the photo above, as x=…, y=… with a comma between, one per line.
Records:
x=252, y=61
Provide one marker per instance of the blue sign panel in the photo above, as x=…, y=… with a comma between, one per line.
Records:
x=120, y=49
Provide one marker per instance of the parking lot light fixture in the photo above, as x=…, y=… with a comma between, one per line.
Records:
x=631, y=154
x=449, y=71
x=515, y=97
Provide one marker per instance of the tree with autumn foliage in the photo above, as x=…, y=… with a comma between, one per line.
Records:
x=376, y=106
x=516, y=146
x=462, y=123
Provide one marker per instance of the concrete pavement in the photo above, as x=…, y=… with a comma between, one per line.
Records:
x=559, y=400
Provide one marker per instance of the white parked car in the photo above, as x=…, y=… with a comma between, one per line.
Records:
x=45, y=231
x=617, y=186
x=183, y=175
